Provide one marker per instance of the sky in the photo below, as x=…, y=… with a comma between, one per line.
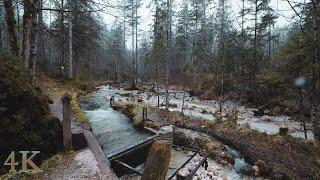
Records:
x=281, y=6
x=283, y=9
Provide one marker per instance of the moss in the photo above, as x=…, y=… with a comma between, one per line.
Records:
x=247, y=125
x=208, y=123
x=25, y=121
x=231, y=119
x=78, y=113
x=276, y=111
x=133, y=111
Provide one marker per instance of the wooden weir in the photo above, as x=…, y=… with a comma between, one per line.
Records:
x=120, y=158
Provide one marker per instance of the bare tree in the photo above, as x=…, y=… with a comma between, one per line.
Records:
x=34, y=40
x=25, y=54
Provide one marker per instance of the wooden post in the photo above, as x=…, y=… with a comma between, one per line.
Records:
x=158, y=160
x=184, y=94
x=66, y=111
x=144, y=116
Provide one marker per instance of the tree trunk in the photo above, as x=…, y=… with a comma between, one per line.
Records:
x=168, y=51
x=41, y=44
x=315, y=91
x=222, y=48
x=1, y=27
x=136, y=45
x=12, y=27
x=25, y=55
x=133, y=54
x=70, y=57
x=253, y=85
x=158, y=161
x=62, y=35
x=34, y=40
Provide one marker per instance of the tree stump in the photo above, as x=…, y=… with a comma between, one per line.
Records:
x=158, y=160
x=66, y=111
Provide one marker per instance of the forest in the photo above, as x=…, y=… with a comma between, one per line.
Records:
x=247, y=73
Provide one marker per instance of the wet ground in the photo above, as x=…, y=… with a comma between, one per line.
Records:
x=206, y=109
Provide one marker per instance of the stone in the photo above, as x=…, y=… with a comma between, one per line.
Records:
x=255, y=170
x=184, y=172
x=263, y=168
x=140, y=100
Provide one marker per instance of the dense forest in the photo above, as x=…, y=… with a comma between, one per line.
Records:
x=199, y=46
x=202, y=47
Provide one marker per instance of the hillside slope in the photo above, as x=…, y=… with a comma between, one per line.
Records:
x=25, y=120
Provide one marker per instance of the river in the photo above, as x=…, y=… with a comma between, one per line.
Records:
x=115, y=132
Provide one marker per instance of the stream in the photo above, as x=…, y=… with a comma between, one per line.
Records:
x=115, y=132
x=113, y=129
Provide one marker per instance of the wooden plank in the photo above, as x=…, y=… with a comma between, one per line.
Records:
x=153, y=117
x=171, y=92
x=126, y=151
x=151, y=130
x=185, y=148
x=103, y=163
x=129, y=167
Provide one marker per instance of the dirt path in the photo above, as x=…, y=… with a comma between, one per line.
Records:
x=72, y=166
x=81, y=164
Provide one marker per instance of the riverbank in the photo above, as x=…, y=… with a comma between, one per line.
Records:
x=266, y=121
x=274, y=156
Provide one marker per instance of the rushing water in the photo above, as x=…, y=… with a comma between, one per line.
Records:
x=239, y=163
x=113, y=129
x=116, y=133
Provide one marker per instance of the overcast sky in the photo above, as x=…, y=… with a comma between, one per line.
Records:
x=282, y=7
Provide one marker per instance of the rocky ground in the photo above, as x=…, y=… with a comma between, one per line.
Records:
x=214, y=170
x=273, y=156
x=67, y=166
x=267, y=121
